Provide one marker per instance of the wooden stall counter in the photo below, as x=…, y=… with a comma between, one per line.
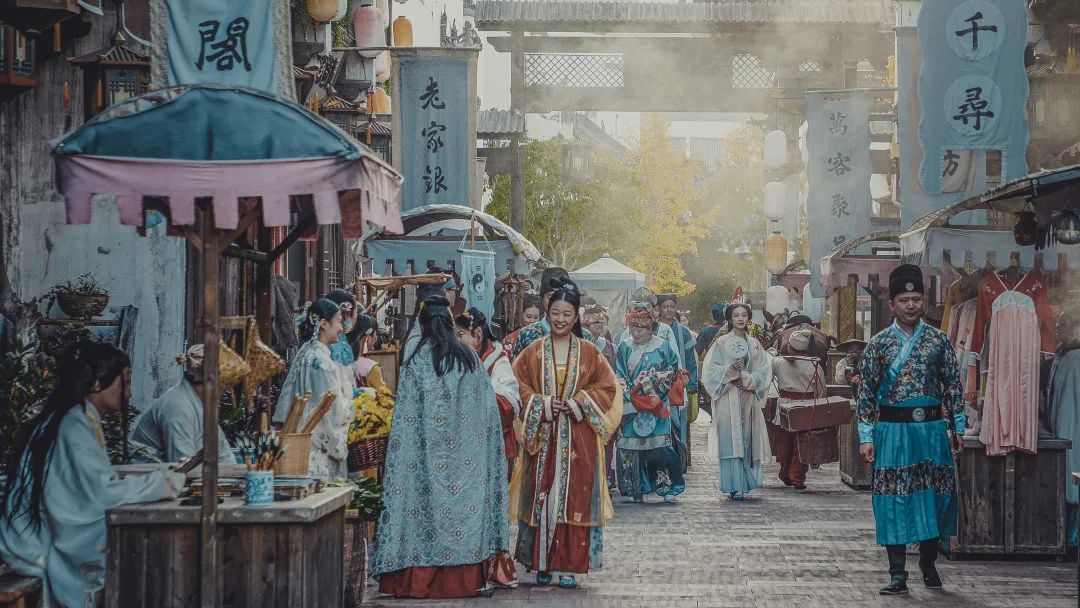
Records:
x=289, y=553
x=1012, y=504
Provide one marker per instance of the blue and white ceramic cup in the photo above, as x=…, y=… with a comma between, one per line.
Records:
x=259, y=487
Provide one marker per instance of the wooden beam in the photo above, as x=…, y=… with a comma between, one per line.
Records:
x=210, y=395
x=305, y=224
x=246, y=222
x=235, y=251
x=190, y=236
x=264, y=275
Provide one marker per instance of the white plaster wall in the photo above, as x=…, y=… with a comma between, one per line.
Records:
x=146, y=272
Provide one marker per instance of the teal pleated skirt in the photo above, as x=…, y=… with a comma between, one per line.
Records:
x=914, y=482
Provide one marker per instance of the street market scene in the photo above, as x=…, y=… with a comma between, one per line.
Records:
x=645, y=303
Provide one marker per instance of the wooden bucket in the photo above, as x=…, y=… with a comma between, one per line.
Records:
x=294, y=463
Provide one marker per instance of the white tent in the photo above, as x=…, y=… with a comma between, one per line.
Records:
x=611, y=284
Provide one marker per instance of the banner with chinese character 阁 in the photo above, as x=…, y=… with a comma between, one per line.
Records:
x=210, y=41
x=434, y=135
x=839, y=205
x=973, y=88
x=478, y=278
x=963, y=172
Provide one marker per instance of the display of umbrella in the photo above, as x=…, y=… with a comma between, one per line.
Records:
x=217, y=162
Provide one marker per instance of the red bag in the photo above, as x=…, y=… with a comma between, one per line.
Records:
x=677, y=393
x=648, y=403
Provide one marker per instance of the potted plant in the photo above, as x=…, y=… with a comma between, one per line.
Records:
x=360, y=516
x=82, y=298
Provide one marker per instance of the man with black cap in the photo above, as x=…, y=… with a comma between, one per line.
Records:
x=531, y=333
x=910, y=403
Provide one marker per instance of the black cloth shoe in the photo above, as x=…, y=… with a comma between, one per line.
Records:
x=897, y=586
x=928, y=551
x=930, y=578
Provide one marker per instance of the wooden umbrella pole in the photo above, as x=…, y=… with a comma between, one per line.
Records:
x=211, y=338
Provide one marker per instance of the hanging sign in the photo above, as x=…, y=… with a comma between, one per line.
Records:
x=973, y=88
x=838, y=142
x=963, y=172
x=478, y=278
x=435, y=127
x=211, y=41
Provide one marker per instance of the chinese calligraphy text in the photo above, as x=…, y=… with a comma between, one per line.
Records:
x=228, y=52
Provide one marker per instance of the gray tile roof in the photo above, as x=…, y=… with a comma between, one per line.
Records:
x=499, y=123
x=876, y=12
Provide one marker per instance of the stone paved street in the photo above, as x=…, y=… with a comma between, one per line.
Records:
x=778, y=548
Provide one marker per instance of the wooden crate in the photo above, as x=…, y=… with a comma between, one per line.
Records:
x=1012, y=504
x=854, y=471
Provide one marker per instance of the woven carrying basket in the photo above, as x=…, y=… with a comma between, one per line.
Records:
x=264, y=362
x=368, y=453
x=294, y=463
x=819, y=446
x=231, y=367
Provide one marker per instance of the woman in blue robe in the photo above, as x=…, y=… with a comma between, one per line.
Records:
x=53, y=525
x=650, y=453
x=447, y=511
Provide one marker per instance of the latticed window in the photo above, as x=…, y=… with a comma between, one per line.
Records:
x=584, y=71
x=749, y=72
x=122, y=84
x=810, y=66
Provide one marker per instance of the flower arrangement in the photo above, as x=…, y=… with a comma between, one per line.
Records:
x=374, y=415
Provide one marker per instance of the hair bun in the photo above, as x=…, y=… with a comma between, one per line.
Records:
x=565, y=283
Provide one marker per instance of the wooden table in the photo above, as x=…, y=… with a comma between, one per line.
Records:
x=1012, y=504
x=288, y=554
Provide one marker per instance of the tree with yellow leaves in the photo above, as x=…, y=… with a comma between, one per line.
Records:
x=666, y=186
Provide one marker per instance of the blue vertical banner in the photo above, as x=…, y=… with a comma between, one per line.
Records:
x=963, y=173
x=478, y=278
x=213, y=41
x=839, y=205
x=973, y=88
x=435, y=143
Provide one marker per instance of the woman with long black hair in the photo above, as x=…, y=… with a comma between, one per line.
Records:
x=571, y=404
x=445, y=493
x=61, y=482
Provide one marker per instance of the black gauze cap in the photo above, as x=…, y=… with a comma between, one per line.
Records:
x=905, y=278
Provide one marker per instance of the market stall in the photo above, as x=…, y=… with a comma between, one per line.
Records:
x=1004, y=284
x=611, y=284
x=251, y=163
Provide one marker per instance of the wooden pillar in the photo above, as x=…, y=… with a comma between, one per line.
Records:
x=264, y=280
x=210, y=392
x=845, y=310
x=517, y=103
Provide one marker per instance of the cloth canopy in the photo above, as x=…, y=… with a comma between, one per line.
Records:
x=607, y=273
x=846, y=260
x=227, y=143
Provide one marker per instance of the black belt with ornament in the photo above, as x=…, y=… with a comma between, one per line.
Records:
x=888, y=413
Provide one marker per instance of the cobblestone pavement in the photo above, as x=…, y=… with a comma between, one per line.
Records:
x=780, y=547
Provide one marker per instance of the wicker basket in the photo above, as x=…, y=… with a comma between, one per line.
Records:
x=356, y=559
x=79, y=306
x=368, y=454
x=819, y=446
x=294, y=463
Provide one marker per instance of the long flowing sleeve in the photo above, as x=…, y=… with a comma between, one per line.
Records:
x=597, y=391
x=871, y=374
x=952, y=390
x=535, y=405
x=714, y=371
x=623, y=372
x=506, y=384
x=758, y=378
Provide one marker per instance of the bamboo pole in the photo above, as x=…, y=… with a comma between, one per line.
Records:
x=211, y=337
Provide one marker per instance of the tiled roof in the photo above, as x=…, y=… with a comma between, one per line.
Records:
x=876, y=12
x=499, y=123
x=115, y=54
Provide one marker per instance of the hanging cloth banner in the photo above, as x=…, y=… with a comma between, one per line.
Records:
x=973, y=88
x=437, y=139
x=839, y=205
x=224, y=42
x=478, y=278
x=964, y=171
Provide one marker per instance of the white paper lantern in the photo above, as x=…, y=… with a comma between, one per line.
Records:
x=382, y=67
x=777, y=300
x=775, y=150
x=775, y=200
x=384, y=8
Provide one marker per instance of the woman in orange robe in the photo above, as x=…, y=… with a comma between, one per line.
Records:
x=559, y=494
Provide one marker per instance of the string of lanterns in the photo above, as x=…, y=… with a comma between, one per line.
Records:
x=776, y=198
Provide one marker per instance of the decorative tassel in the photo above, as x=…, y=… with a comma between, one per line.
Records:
x=99, y=96
x=67, y=96
x=56, y=38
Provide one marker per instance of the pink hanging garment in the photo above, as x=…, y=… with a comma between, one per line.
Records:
x=1011, y=408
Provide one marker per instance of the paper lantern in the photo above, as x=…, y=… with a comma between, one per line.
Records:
x=775, y=253
x=382, y=67
x=777, y=300
x=1067, y=227
x=384, y=7
x=775, y=150
x=379, y=102
x=805, y=238
x=775, y=200
x=403, y=32
x=369, y=29
x=325, y=11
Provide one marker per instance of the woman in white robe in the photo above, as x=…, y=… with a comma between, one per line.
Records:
x=737, y=374
x=53, y=526
x=313, y=370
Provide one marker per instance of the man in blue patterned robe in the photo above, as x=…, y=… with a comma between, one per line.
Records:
x=910, y=404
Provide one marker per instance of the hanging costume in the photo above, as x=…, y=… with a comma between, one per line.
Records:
x=1013, y=320
x=445, y=490
x=558, y=493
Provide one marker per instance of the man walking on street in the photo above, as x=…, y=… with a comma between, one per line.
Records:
x=910, y=405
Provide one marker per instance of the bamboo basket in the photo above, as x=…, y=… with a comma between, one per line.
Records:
x=294, y=463
x=368, y=453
